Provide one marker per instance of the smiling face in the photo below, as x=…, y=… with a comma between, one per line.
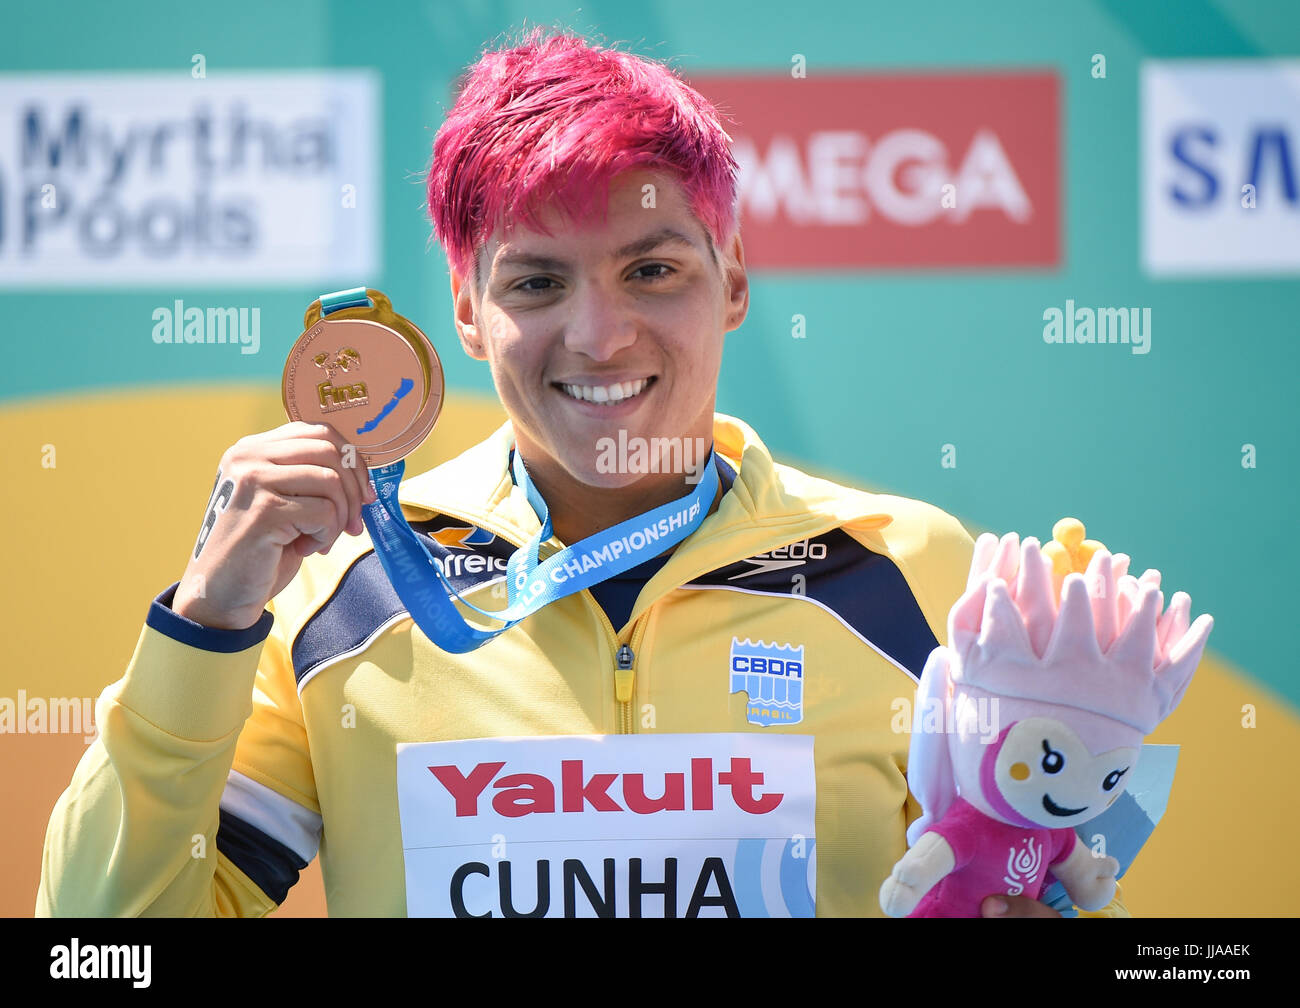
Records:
x=1046, y=773
x=617, y=326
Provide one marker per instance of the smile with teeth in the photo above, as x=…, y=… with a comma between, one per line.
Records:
x=613, y=393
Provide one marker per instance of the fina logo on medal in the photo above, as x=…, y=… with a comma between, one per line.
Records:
x=771, y=675
x=338, y=396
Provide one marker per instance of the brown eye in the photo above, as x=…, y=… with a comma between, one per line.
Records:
x=667, y=271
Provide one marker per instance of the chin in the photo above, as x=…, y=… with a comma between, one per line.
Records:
x=606, y=480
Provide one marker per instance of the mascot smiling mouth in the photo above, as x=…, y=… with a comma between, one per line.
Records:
x=1056, y=809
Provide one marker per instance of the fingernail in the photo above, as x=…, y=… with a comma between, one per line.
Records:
x=996, y=907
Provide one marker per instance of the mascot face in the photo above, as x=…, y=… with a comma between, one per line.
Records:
x=1044, y=773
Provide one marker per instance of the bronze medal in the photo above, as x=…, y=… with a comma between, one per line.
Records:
x=369, y=373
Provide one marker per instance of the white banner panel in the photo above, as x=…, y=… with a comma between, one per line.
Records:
x=611, y=826
x=1220, y=176
x=138, y=179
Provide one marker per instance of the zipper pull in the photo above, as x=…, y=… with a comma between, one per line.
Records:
x=623, y=674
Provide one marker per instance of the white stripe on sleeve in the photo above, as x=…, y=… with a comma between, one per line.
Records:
x=275, y=815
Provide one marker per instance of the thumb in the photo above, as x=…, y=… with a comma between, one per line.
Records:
x=1015, y=906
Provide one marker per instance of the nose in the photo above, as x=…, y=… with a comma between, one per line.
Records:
x=597, y=325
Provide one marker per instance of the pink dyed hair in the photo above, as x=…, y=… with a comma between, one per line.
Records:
x=556, y=118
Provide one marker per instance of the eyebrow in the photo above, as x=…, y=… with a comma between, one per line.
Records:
x=642, y=246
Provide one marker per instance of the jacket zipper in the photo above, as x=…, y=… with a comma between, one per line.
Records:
x=624, y=669
x=624, y=678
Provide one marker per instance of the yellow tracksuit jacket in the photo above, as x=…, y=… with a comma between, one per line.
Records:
x=227, y=760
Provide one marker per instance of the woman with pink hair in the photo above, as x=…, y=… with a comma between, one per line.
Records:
x=703, y=731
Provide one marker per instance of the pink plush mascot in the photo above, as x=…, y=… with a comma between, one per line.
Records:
x=1072, y=693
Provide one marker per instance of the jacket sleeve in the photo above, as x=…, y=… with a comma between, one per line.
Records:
x=155, y=821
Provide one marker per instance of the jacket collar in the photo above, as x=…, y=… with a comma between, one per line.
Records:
x=767, y=506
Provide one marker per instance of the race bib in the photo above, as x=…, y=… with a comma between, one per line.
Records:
x=708, y=825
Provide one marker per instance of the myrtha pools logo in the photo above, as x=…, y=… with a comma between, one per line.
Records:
x=771, y=675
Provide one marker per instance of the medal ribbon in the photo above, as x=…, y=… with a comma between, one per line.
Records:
x=531, y=585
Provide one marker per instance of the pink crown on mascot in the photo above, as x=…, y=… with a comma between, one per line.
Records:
x=1072, y=689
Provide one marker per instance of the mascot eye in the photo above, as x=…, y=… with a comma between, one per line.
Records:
x=1053, y=761
x=1112, y=779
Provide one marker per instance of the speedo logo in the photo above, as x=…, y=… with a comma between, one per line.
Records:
x=796, y=554
x=580, y=790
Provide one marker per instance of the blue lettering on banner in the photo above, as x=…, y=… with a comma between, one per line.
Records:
x=112, y=177
x=1270, y=166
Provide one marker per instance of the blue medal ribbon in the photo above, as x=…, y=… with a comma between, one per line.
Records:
x=531, y=585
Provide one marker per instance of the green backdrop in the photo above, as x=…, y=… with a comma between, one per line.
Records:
x=1146, y=450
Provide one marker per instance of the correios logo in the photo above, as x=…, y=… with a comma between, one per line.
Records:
x=462, y=558
x=581, y=788
x=895, y=170
x=462, y=536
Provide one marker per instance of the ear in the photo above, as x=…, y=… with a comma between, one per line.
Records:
x=735, y=283
x=462, y=297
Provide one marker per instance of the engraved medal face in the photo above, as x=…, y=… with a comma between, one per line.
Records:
x=379, y=388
